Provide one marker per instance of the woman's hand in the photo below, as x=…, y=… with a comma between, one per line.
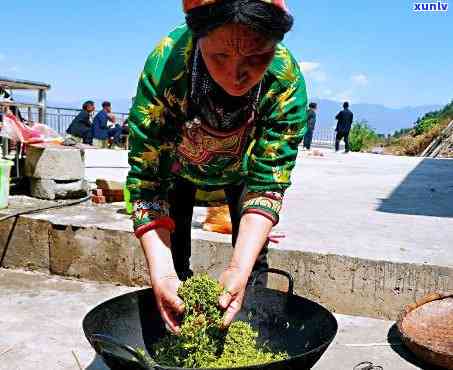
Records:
x=165, y=283
x=171, y=307
x=253, y=233
x=234, y=282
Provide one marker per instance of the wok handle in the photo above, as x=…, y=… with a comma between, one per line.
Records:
x=278, y=272
x=100, y=342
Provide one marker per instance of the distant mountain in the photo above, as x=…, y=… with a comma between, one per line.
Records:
x=383, y=119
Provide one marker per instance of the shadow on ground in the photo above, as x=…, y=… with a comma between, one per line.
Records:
x=394, y=338
x=97, y=364
x=426, y=191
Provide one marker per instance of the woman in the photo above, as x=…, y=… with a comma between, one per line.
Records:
x=220, y=105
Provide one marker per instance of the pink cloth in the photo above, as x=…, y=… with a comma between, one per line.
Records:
x=14, y=129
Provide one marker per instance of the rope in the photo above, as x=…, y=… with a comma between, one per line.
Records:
x=31, y=211
x=39, y=209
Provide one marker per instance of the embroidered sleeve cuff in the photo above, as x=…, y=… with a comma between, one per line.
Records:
x=149, y=215
x=161, y=223
x=267, y=204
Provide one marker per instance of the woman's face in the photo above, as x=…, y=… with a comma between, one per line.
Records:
x=236, y=57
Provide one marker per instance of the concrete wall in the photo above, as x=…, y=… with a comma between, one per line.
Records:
x=24, y=243
x=343, y=284
x=361, y=287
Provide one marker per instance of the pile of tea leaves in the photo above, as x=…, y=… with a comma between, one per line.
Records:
x=203, y=343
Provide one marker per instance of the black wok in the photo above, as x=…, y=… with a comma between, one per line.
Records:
x=286, y=322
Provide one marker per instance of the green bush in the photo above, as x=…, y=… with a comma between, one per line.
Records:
x=431, y=119
x=362, y=136
x=425, y=125
x=427, y=128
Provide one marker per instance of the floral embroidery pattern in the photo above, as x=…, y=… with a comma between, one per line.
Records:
x=147, y=211
x=152, y=113
x=268, y=201
x=159, y=51
x=164, y=146
x=200, y=143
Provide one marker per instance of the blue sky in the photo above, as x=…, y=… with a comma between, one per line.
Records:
x=364, y=51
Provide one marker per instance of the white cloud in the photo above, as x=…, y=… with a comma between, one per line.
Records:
x=2, y=56
x=319, y=76
x=360, y=79
x=313, y=71
x=320, y=85
x=14, y=69
x=308, y=67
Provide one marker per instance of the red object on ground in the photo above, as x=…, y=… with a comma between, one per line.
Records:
x=98, y=192
x=108, y=196
x=426, y=328
x=275, y=238
x=98, y=199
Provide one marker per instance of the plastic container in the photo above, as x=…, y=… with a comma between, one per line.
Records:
x=5, y=172
x=127, y=200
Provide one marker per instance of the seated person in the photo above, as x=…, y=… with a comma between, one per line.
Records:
x=81, y=127
x=4, y=95
x=7, y=97
x=125, y=128
x=105, y=127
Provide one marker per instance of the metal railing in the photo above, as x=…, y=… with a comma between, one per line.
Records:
x=324, y=137
x=59, y=119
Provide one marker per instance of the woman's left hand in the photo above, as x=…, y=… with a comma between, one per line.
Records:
x=234, y=282
x=253, y=232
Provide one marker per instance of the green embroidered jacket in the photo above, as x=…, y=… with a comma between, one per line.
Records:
x=164, y=144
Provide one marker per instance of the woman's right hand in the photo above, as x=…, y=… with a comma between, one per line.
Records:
x=171, y=307
x=164, y=281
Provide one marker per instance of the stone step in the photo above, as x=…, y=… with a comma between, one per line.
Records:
x=97, y=243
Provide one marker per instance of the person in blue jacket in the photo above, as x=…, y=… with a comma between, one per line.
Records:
x=81, y=126
x=104, y=125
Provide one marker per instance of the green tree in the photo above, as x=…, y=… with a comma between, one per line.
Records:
x=362, y=136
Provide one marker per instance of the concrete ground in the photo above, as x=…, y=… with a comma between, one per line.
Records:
x=360, y=205
x=41, y=316
x=372, y=206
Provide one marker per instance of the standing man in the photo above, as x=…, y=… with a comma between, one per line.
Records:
x=308, y=138
x=345, y=119
x=104, y=126
x=80, y=127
